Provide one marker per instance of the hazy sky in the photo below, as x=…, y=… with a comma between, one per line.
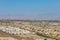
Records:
x=30, y=9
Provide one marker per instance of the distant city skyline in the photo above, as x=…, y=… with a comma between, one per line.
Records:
x=30, y=9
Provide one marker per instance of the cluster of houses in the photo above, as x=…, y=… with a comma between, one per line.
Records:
x=13, y=30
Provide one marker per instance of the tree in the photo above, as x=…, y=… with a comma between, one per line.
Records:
x=45, y=39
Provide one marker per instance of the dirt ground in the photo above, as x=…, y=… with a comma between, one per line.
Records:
x=3, y=34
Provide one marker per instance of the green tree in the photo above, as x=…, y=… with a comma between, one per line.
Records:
x=45, y=39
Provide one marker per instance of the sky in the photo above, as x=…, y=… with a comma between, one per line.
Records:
x=30, y=9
